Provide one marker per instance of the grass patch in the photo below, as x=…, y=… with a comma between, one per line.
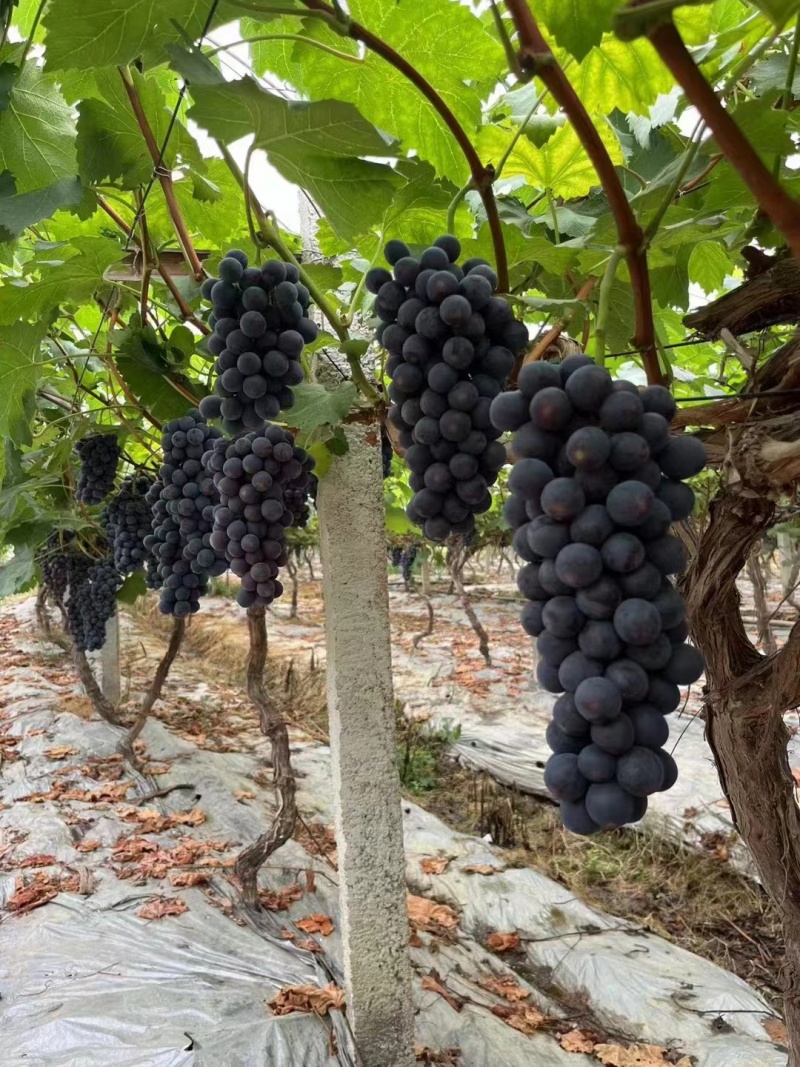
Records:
x=687, y=896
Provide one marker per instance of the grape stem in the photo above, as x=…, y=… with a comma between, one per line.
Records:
x=270, y=234
x=482, y=175
x=537, y=58
x=164, y=176
x=453, y=206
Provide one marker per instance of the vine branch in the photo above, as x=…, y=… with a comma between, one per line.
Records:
x=125, y=746
x=252, y=858
x=537, y=58
x=782, y=209
x=482, y=175
x=164, y=177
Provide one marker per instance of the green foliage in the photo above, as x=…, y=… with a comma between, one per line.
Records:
x=421, y=751
x=83, y=346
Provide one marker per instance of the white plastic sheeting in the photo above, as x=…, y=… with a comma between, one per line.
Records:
x=86, y=983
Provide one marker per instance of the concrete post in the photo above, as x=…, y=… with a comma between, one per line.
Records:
x=366, y=785
x=425, y=576
x=109, y=662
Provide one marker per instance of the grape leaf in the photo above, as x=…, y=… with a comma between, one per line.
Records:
x=73, y=280
x=316, y=145
x=20, y=211
x=110, y=33
x=18, y=572
x=709, y=265
x=37, y=131
x=317, y=406
x=444, y=41
x=20, y=369
x=625, y=75
x=576, y=25
x=8, y=72
x=779, y=10
x=132, y=588
x=561, y=164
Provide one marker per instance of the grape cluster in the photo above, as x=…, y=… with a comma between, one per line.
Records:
x=183, y=517
x=386, y=453
x=451, y=346
x=127, y=520
x=261, y=324
x=258, y=477
x=99, y=455
x=407, y=562
x=92, y=602
x=395, y=553
x=596, y=483
x=54, y=562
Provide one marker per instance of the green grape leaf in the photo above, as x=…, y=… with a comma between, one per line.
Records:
x=576, y=25
x=709, y=265
x=561, y=164
x=17, y=212
x=37, y=131
x=628, y=76
x=779, y=10
x=149, y=372
x=316, y=145
x=73, y=280
x=18, y=572
x=20, y=370
x=328, y=277
x=132, y=588
x=443, y=40
x=107, y=33
x=317, y=406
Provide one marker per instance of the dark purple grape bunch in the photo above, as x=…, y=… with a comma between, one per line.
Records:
x=451, y=345
x=127, y=520
x=259, y=477
x=53, y=559
x=261, y=324
x=99, y=456
x=597, y=481
x=183, y=518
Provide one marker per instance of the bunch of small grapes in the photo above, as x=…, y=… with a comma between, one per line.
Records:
x=395, y=554
x=451, y=346
x=253, y=475
x=261, y=324
x=183, y=517
x=127, y=520
x=596, y=483
x=407, y=559
x=99, y=455
x=386, y=453
x=92, y=598
x=54, y=562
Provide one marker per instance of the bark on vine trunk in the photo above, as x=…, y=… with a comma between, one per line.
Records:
x=251, y=859
x=125, y=746
x=746, y=696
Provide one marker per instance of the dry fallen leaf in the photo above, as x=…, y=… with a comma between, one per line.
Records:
x=776, y=1030
x=503, y=942
x=244, y=794
x=505, y=987
x=523, y=1017
x=188, y=818
x=161, y=907
x=481, y=868
x=38, y=861
x=280, y=899
x=184, y=878
x=88, y=845
x=308, y=998
x=446, y=1057
x=636, y=1056
x=432, y=983
x=427, y=915
x=27, y=897
x=576, y=1041
x=434, y=864
x=315, y=924
x=60, y=752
